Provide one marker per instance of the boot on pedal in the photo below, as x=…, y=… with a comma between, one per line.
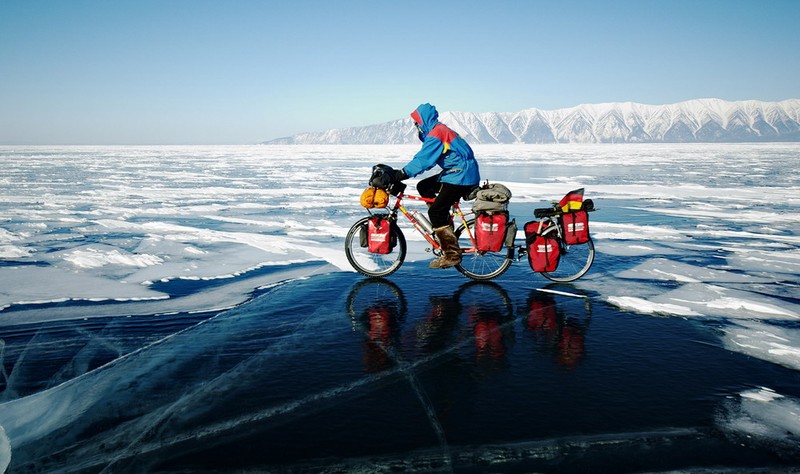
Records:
x=451, y=252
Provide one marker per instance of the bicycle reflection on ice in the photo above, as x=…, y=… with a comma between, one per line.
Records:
x=377, y=309
x=478, y=314
x=478, y=319
x=563, y=336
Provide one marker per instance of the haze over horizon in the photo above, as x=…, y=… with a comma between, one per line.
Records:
x=146, y=72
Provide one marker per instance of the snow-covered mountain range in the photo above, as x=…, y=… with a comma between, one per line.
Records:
x=701, y=120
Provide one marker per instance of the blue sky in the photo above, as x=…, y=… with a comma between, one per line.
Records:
x=239, y=71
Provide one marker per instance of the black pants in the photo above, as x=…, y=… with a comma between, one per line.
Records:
x=446, y=195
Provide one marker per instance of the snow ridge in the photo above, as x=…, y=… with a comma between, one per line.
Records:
x=699, y=120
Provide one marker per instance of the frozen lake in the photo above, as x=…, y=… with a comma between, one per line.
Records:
x=191, y=309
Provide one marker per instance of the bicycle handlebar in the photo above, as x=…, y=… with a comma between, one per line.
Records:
x=546, y=212
x=588, y=206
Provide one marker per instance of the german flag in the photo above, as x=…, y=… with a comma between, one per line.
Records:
x=572, y=201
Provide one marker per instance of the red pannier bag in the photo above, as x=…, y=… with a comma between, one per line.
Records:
x=379, y=235
x=490, y=231
x=543, y=250
x=576, y=227
x=542, y=317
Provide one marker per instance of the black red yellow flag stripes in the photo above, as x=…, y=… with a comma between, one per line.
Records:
x=572, y=201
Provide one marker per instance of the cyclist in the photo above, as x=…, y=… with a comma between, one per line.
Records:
x=460, y=174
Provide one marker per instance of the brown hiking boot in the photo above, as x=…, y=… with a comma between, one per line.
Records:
x=451, y=252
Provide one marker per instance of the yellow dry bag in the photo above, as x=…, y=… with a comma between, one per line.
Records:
x=374, y=197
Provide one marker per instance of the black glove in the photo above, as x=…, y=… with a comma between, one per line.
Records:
x=400, y=175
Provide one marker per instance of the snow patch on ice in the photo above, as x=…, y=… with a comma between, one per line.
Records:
x=12, y=251
x=710, y=301
x=6, y=236
x=762, y=394
x=718, y=213
x=641, y=305
x=764, y=341
x=759, y=259
x=668, y=270
x=764, y=416
x=609, y=231
x=729, y=303
x=92, y=257
x=23, y=285
x=622, y=249
x=5, y=450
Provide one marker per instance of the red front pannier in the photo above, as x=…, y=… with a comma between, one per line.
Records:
x=490, y=231
x=543, y=250
x=576, y=227
x=380, y=237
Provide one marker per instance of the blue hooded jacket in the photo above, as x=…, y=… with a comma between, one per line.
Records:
x=444, y=147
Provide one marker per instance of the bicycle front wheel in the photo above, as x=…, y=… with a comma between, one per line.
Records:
x=373, y=264
x=480, y=265
x=574, y=262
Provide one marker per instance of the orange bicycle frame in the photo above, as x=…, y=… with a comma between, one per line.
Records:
x=456, y=212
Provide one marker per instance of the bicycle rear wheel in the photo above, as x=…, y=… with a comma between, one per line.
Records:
x=373, y=264
x=574, y=262
x=480, y=265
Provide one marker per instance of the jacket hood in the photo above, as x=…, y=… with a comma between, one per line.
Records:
x=426, y=116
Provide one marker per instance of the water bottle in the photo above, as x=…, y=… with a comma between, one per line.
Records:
x=423, y=221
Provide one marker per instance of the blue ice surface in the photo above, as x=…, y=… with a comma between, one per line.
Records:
x=427, y=374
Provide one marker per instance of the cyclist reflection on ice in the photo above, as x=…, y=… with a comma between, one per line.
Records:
x=381, y=329
x=562, y=336
x=438, y=331
x=493, y=330
x=489, y=335
x=476, y=321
